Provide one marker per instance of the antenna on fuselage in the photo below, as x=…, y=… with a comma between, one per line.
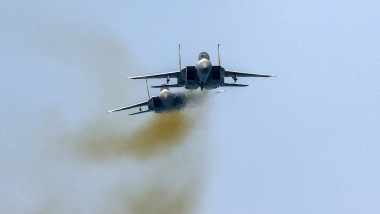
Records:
x=179, y=56
x=147, y=88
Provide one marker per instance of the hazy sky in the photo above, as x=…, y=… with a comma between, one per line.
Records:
x=307, y=141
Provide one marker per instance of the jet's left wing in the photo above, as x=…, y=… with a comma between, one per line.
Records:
x=243, y=74
x=173, y=74
x=131, y=106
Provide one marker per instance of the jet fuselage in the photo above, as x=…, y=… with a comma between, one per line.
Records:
x=203, y=68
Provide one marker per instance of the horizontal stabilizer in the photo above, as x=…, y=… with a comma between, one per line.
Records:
x=139, y=112
x=232, y=85
x=243, y=74
x=167, y=86
x=129, y=107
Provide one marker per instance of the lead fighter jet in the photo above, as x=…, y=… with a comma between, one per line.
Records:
x=203, y=75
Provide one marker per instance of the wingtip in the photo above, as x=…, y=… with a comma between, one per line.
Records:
x=132, y=78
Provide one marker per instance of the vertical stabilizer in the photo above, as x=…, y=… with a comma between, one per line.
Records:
x=147, y=88
x=219, y=53
x=179, y=56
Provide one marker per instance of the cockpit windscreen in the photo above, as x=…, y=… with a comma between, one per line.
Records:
x=203, y=55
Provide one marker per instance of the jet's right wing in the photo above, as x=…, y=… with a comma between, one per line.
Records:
x=173, y=74
x=131, y=106
x=232, y=85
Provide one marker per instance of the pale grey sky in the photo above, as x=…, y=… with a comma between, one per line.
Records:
x=306, y=141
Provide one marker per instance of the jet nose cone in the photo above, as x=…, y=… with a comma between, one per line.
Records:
x=165, y=94
x=205, y=64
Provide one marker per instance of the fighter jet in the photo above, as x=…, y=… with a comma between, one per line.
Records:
x=165, y=102
x=203, y=75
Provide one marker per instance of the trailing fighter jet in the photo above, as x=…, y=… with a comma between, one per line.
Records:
x=203, y=75
x=166, y=101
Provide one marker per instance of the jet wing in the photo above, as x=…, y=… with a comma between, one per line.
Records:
x=232, y=85
x=167, y=86
x=242, y=74
x=173, y=74
x=131, y=106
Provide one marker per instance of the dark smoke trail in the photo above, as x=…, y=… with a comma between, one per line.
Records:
x=159, y=134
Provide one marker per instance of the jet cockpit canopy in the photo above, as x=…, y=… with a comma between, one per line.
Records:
x=203, y=55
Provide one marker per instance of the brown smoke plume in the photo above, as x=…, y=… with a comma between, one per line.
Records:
x=159, y=134
x=154, y=142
